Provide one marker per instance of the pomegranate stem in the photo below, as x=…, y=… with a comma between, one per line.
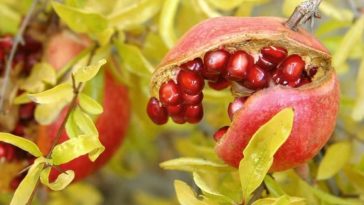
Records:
x=307, y=10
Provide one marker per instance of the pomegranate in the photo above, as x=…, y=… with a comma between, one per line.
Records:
x=111, y=124
x=269, y=67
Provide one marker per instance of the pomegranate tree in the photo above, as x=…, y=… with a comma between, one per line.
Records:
x=268, y=67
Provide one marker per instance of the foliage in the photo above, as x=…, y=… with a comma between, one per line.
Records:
x=138, y=34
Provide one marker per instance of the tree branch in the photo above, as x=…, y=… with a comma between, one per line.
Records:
x=18, y=39
x=307, y=10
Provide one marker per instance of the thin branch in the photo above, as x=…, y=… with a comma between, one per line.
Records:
x=18, y=39
x=72, y=106
x=307, y=10
x=257, y=193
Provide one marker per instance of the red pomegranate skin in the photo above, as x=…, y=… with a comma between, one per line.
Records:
x=316, y=105
x=216, y=31
x=315, y=111
x=111, y=124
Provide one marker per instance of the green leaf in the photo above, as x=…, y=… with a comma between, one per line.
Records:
x=58, y=93
x=134, y=61
x=84, y=122
x=166, y=22
x=86, y=73
x=136, y=14
x=62, y=181
x=337, y=155
x=21, y=143
x=210, y=12
x=10, y=19
x=76, y=147
x=71, y=127
x=90, y=105
x=79, y=20
x=351, y=38
x=283, y=200
x=27, y=185
x=229, y=5
x=331, y=199
x=356, y=177
x=273, y=187
x=358, y=111
x=41, y=72
x=185, y=194
x=193, y=165
x=258, y=154
x=335, y=12
x=22, y=99
x=45, y=114
x=208, y=189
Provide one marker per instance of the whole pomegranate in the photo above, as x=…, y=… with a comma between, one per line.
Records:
x=268, y=66
x=111, y=124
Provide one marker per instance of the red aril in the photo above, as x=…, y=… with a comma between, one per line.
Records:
x=170, y=94
x=238, y=65
x=157, y=112
x=190, y=82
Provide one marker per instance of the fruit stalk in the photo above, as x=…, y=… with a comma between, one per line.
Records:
x=18, y=39
x=307, y=10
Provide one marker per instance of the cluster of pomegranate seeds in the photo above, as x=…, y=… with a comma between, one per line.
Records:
x=27, y=54
x=181, y=99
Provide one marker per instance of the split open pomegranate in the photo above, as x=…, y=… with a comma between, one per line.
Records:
x=268, y=67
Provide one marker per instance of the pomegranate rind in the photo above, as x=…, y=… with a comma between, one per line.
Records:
x=315, y=109
x=235, y=32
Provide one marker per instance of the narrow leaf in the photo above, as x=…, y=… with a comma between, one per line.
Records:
x=351, y=38
x=258, y=154
x=166, y=22
x=283, y=200
x=84, y=122
x=358, y=111
x=80, y=20
x=273, y=187
x=45, y=114
x=90, y=105
x=76, y=147
x=27, y=185
x=71, y=127
x=136, y=14
x=185, y=194
x=205, y=7
x=337, y=155
x=193, y=165
x=62, y=181
x=58, y=93
x=21, y=143
x=86, y=73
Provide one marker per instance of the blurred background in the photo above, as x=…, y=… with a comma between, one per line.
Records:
x=147, y=29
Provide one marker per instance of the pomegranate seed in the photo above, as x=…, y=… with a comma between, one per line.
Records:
x=175, y=109
x=215, y=61
x=14, y=183
x=2, y=150
x=19, y=130
x=292, y=67
x=236, y=105
x=190, y=82
x=211, y=76
x=156, y=112
x=265, y=64
x=221, y=84
x=31, y=45
x=10, y=152
x=169, y=93
x=304, y=81
x=26, y=111
x=220, y=133
x=238, y=65
x=274, y=54
x=6, y=43
x=195, y=65
x=192, y=99
x=179, y=118
x=295, y=83
x=257, y=78
x=312, y=72
x=194, y=113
